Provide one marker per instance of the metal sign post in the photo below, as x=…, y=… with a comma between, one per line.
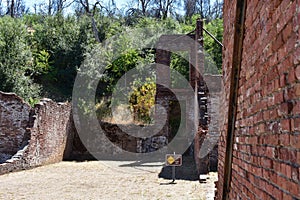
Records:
x=173, y=160
x=173, y=174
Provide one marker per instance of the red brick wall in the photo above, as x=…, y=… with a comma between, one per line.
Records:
x=49, y=130
x=44, y=141
x=266, y=155
x=14, y=118
x=229, y=16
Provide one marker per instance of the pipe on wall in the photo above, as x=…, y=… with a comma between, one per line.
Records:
x=239, y=29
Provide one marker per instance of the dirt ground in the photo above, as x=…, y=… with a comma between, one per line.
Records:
x=105, y=180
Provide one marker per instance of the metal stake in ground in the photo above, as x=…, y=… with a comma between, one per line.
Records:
x=173, y=174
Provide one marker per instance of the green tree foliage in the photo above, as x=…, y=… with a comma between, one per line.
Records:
x=127, y=61
x=16, y=60
x=212, y=48
x=180, y=63
x=213, y=51
x=41, y=54
x=58, y=44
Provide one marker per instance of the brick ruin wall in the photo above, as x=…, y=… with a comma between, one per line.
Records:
x=214, y=108
x=266, y=153
x=31, y=137
x=105, y=144
x=46, y=134
x=206, y=140
x=14, y=118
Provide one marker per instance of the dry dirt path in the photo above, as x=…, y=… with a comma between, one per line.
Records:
x=101, y=180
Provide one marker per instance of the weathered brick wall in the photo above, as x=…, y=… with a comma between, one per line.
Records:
x=14, y=118
x=49, y=131
x=266, y=155
x=108, y=143
x=214, y=108
x=229, y=18
x=45, y=137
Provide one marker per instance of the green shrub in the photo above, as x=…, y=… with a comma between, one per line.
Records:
x=16, y=60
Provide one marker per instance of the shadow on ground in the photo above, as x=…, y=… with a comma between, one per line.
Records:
x=187, y=171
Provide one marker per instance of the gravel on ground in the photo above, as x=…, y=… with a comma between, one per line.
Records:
x=107, y=180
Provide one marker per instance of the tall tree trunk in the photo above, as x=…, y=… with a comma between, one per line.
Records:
x=95, y=29
x=50, y=7
x=86, y=7
x=59, y=5
x=12, y=8
x=201, y=9
x=143, y=7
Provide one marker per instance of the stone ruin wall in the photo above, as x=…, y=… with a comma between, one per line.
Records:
x=31, y=137
x=207, y=137
x=46, y=134
x=14, y=118
x=104, y=146
x=208, y=96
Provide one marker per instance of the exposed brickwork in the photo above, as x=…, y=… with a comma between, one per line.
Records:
x=14, y=118
x=49, y=131
x=267, y=149
x=175, y=43
x=206, y=88
x=107, y=145
x=45, y=137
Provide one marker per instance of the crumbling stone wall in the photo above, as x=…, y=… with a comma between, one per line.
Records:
x=46, y=134
x=44, y=137
x=207, y=137
x=49, y=128
x=206, y=88
x=266, y=151
x=14, y=118
x=104, y=144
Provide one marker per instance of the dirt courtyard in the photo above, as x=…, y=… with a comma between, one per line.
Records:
x=103, y=180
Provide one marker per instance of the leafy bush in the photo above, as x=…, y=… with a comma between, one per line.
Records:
x=16, y=60
x=142, y=101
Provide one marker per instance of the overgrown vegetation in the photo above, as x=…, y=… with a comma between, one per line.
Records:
x=42, y=51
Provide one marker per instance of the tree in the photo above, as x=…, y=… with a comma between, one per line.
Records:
x=15, y=8
x=90, y=10
x=207, y=9
x=16, y=60
x=60, y=5
x=52, y=7
x=190, y=8
x=144, y=6
x=58, y=42
x=1, y=8
x=214, y=50
x=217, y=9
x=164, y=7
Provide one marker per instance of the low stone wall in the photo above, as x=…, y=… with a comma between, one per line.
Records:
x=43, y=139
x=95, y=144
x=119, y=138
